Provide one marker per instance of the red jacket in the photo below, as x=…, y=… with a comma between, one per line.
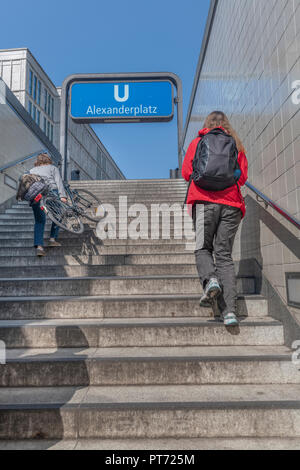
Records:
x=229, y=196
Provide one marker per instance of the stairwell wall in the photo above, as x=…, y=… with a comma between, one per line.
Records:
x=249, y=67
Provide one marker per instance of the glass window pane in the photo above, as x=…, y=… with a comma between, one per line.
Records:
x=38, y=117
x=34, y=87
x=46, y=100
x=39, y=93
x=48, y=128
x=29, y=107
x=30, y=82
x=48, y=107
x=45, y=125
x=34, y=112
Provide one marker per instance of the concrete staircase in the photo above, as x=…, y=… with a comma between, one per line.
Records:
x=107, y=346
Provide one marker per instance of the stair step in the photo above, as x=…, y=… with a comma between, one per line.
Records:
x=146, y=332
x=215, y=443
x=129, y=183
x=91, y=241
x=148, y=366
x=121, y=201
x=144, y=211
x=151, y=412
x=85, y=261
x=93, y=249
x=139, y=306
x=113, y=285
x=8, y=219
x=22, y=224
x=149, y=230
x=133, y=195
x=102, y=270
x=27, y=223
x=21, y=218
x=170, y=237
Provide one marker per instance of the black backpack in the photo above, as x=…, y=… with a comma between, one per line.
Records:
x=215, y=161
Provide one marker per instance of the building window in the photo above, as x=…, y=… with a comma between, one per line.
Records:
x=45, y=125
x=48, y=129
x=30, y=82
x=34, y=87
x=38, y=117
x=51, y=132
x=49, y=104
x=29, y=107
x=52, y=109
x=39, y=89
x=34, y=112
x=46, y=100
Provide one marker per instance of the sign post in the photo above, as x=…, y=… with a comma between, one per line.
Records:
x=107, y=98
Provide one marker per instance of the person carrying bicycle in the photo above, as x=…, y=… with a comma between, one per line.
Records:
x=44, y=167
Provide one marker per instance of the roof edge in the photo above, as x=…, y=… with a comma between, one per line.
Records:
x=28, y=51
x=205, y=40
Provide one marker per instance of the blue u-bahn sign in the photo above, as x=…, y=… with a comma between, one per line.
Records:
x=122, y=101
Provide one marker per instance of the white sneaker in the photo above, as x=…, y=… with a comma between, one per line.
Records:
x=211, y=291
x=230, y=319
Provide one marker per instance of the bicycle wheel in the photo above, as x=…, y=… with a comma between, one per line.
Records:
x=62, y=214
x=88, y=204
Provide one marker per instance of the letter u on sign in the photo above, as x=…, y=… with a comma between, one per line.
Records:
x=117, y=95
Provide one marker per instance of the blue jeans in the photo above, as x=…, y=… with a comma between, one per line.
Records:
x=39, y=226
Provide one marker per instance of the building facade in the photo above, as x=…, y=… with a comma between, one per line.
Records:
x=249, y=67
x=21, y=141
x=34, y=89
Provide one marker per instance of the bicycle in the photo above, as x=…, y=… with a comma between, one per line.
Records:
x=81, y=204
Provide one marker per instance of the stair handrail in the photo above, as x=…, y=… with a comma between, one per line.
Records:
x=261, y=197
x=22, y=160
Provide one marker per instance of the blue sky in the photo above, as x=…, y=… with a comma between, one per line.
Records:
x=100, y=36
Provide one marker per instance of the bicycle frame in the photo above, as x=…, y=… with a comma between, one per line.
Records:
x=71, y=194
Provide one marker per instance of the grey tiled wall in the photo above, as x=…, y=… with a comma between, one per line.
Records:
x=250, y=68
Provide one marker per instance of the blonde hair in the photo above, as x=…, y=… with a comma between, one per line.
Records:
x=219, y=119
x=43, y=159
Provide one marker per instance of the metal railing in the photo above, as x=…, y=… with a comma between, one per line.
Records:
x=261, y=197
x=22, y=160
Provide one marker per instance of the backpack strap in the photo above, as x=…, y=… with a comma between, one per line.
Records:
x=216, y=131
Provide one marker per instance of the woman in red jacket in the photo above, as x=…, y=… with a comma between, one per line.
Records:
x=217, y=215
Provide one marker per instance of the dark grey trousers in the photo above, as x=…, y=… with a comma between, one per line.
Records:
x=216, y=226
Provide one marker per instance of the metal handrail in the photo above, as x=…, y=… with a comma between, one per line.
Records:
x=22, y=160
x=273, y=204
